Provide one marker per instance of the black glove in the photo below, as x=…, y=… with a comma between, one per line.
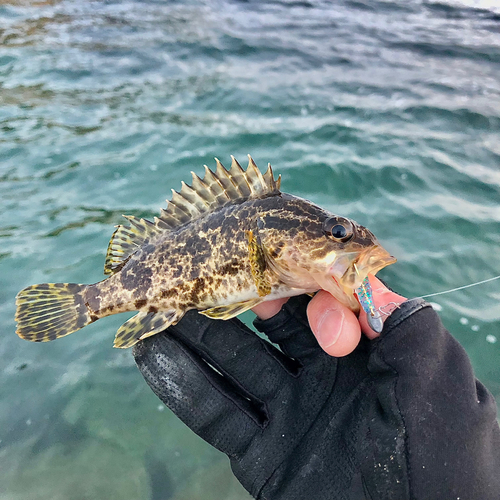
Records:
x=400, y=418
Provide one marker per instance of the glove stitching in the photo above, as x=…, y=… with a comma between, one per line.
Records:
x=361, y=387
x=265, y=345
x=411, y=309
x=268, y=348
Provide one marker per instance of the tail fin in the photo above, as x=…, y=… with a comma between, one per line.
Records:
x=51, y=310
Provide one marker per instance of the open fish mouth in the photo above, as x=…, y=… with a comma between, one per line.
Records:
x=353, y=269
x=370, y=261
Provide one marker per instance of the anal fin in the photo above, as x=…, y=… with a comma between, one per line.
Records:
x=232, y=310
x=143, y=325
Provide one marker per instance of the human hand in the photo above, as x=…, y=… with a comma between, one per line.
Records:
x=271, y=410
x=299, y=423
x=268, y=409
x=336, y=328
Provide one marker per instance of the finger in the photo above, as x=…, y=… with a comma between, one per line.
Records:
x=197, y=394
x=290, y=329
x=384, y=301
x=335, y=327
x=252, y=364
x=267, y=310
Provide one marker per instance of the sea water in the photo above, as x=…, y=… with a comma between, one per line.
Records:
x=384, y=111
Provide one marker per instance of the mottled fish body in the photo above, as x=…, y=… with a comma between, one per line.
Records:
x=223, y=245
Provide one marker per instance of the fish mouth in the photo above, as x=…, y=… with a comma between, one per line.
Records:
x=371, y=261
x=353, y=268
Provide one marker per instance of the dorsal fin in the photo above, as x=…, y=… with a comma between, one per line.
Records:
x=126, y=240
x=215, y=190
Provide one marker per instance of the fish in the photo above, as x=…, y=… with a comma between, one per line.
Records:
x=224, y=244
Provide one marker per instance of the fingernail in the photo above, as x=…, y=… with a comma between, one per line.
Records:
x=329, y=327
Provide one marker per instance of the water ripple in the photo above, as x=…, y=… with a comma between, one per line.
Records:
x=384, y=111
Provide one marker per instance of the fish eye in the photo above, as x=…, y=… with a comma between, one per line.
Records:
x=339, y=232
x=339, y=229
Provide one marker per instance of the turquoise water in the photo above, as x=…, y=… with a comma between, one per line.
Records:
x=387, y=112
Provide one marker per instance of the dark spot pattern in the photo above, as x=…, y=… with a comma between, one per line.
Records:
x=204, y=263
x=136, y=278
x=140, y=303
x=93, y=300
x=197, y=290
x=231, y=269
x=167, y=294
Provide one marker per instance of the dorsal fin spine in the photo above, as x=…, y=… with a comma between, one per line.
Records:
x=201, y=189
x=181, y=203
x=268, y=177
x=227, y=182
x=235, y=165
x=215, y=190
x=215, y=187
x=193, y=197
x=140, y=224
x=169, y=218
x=238, y=176
x=161, y=224
x=258, y=185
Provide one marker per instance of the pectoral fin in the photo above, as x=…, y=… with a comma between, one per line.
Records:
x=143, y=325
x=258, y=266
x=232, y=310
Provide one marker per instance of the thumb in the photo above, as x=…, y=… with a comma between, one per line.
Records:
x=335, y=326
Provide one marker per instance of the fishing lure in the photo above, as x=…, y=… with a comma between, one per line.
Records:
x=365, y=297
x=374, y=316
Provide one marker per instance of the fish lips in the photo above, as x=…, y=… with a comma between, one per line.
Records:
x=371, y=261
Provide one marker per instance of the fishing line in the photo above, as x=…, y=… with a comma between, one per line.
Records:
x=459, y=288
x=396, y=306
